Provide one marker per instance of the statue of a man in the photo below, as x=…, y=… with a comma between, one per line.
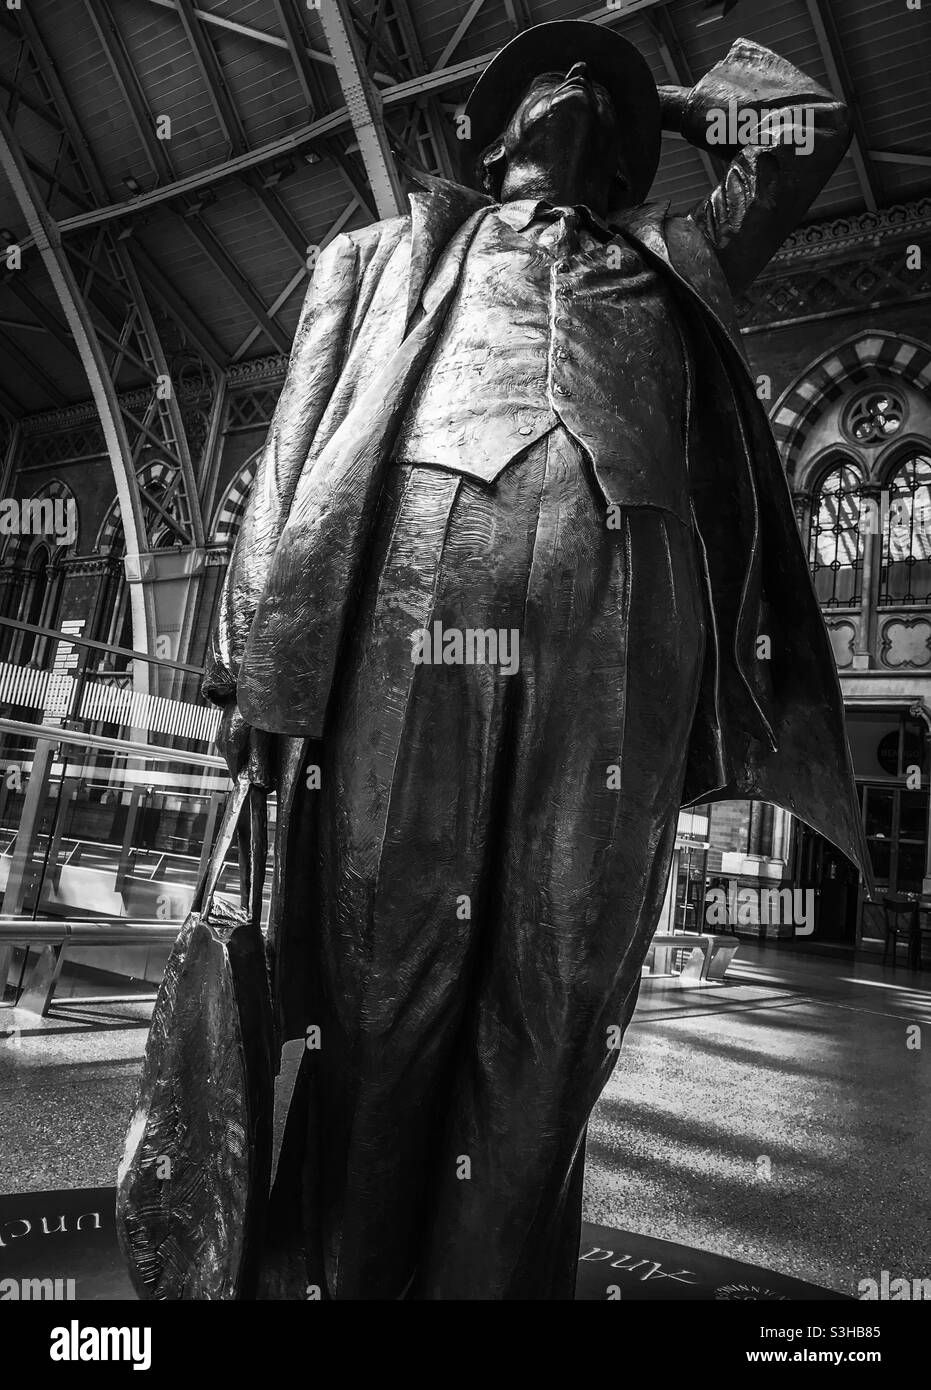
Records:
x=519, y=576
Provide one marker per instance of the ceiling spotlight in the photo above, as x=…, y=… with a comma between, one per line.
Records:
x=133, y=186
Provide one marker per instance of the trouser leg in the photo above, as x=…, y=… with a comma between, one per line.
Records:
x=609, y=677
x=493, y=855
x=411, y=776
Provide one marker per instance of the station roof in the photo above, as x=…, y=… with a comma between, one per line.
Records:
x=188, y=152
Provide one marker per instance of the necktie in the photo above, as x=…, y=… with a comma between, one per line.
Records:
x=561, y=232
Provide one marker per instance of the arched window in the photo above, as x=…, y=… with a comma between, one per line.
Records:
x=835, y=547
x=159, y=483
x=906, y=551
x=34, y=602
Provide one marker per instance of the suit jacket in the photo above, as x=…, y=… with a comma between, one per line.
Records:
x=770, y=724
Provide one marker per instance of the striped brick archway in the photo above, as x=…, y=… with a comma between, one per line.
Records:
x=229, y=513
x=862, y=359
x=154, y=477
x=18, y=547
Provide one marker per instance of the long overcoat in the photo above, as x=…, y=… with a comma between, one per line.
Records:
x=770, y=721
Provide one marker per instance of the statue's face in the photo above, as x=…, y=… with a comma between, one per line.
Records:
x=563, y=117
x=572, y=101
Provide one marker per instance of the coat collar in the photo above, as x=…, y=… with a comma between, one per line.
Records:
x=438, y=213
x=436, y=216
x=520, y=213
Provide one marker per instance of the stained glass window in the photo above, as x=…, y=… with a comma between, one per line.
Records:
x=875, y=416
x=836, y=540
x=906, y=551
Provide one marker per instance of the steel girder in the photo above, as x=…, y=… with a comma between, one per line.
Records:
x=112, y=299
x=364, y=107
x=48, y=240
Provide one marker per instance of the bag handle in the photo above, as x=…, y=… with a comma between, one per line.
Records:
x=252, y=834
x=252, y=849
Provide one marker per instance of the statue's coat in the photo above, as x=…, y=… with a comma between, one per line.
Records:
x=770, y=723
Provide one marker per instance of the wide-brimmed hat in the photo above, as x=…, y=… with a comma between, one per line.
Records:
x=612, y=60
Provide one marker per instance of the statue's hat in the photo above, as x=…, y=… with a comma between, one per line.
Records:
x=555, y=46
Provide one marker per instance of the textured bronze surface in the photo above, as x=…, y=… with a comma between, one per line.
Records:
x=474, y=391
x=191, y=1189
x=484, y=1035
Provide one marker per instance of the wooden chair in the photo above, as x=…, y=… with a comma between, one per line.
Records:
x=897, y=908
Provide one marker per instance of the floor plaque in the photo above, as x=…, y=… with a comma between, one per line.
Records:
x=62, y=1245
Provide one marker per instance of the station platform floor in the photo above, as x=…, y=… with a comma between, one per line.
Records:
x=781, y=1118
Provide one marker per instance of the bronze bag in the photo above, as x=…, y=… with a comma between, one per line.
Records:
x=193, y=1182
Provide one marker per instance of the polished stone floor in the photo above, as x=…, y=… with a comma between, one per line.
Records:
x=782, y=1118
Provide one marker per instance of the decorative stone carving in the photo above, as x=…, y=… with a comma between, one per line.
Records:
x=50, y=420
x=906, y=643
x=260, y=370
x=843, y=634
x=799, y=291
x=61, y=446
x=899, y=222
x=82, y=565
x=251, y=409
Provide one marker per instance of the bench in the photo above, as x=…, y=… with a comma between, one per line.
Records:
x=710, y=955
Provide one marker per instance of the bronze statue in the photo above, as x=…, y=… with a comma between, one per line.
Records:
x=519, y=577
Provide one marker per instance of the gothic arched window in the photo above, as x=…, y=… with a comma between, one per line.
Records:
x=835, y=545
x=906, y=550
x=34, y=602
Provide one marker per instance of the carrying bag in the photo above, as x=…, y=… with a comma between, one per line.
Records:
x=193, y=1183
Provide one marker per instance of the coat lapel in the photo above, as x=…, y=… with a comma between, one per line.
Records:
x=676, y=243
x=289, y=662
x=435, y=217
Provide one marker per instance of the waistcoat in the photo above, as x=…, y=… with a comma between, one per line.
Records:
x=538, y=336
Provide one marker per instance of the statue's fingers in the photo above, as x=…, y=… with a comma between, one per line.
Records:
x=260, y=761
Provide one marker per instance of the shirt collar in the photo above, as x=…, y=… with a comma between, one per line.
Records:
x=522, y=211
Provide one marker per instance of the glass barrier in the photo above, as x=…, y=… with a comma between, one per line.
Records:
x=113, y=691
x=110, y=799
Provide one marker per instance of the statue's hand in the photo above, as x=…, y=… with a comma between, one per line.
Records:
x=246, y=748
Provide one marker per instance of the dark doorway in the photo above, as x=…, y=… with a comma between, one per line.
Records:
x=821, y=867
x=896, y=824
